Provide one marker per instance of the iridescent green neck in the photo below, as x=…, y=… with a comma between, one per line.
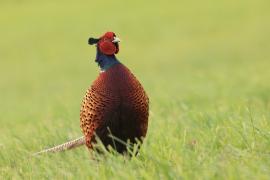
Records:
x=105, y=62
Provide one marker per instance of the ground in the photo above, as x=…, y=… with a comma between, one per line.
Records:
x=204, y=64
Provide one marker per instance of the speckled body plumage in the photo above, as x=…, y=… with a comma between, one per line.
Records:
x=115, y=101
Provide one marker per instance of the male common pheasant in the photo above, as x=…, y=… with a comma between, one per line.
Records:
x=116, y=103
x=115, y=107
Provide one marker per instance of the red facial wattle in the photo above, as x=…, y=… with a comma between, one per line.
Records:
x=107, y=44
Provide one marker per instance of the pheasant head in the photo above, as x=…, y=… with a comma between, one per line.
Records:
x=106, y=44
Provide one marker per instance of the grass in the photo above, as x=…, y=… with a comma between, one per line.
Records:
x=205, y=66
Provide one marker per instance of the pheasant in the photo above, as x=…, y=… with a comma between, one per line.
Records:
x=115, y=107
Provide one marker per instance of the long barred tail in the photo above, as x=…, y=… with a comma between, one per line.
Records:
x=62, y=147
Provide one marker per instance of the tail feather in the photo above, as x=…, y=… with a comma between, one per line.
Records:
x=65, y=146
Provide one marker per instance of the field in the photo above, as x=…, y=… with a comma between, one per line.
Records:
x=204, y=64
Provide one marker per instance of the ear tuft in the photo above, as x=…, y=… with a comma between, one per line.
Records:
x=92, y=41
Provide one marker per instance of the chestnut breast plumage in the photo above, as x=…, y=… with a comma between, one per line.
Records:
x=115, y=104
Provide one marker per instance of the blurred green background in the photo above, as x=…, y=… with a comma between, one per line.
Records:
x=204, y=64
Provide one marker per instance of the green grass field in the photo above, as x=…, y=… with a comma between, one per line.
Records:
x=204, y=64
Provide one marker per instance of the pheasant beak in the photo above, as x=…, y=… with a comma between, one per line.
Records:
x=116, y=40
